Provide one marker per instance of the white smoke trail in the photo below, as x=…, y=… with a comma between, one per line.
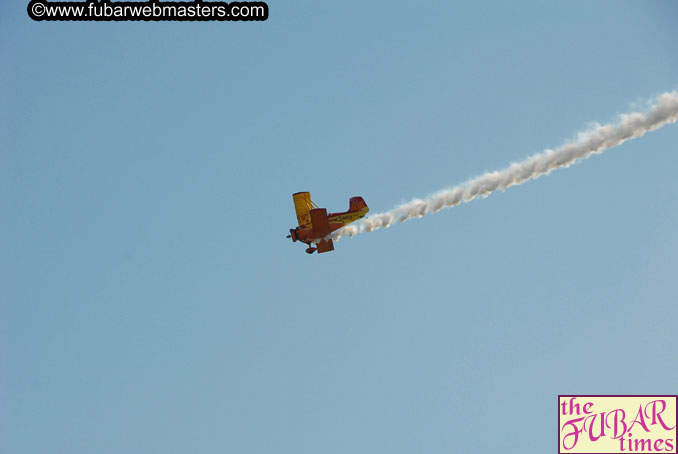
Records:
x=594, y=141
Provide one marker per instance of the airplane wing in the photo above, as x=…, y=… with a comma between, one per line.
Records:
x=320, y=225
x=325, y=246
x=303, y=206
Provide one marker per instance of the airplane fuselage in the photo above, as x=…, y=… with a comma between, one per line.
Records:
x=305, y=234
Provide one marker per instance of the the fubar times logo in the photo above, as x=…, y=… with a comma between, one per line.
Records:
x=617, y=424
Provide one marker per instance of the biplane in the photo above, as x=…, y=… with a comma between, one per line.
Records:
x=315, y=224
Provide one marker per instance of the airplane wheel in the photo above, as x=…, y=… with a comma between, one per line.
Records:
x=310, y=250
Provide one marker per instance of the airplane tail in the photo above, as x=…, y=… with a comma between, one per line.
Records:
x=356, y=204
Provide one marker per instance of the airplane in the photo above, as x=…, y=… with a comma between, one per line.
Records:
x=315, y=224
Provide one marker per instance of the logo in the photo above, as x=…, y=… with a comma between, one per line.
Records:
x=617, y=424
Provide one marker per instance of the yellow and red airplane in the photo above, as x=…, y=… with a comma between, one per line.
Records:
x=315, y=224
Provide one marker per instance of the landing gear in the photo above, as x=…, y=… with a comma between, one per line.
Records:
x=310, y=250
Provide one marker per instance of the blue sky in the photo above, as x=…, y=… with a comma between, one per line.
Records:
x=149, y=301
